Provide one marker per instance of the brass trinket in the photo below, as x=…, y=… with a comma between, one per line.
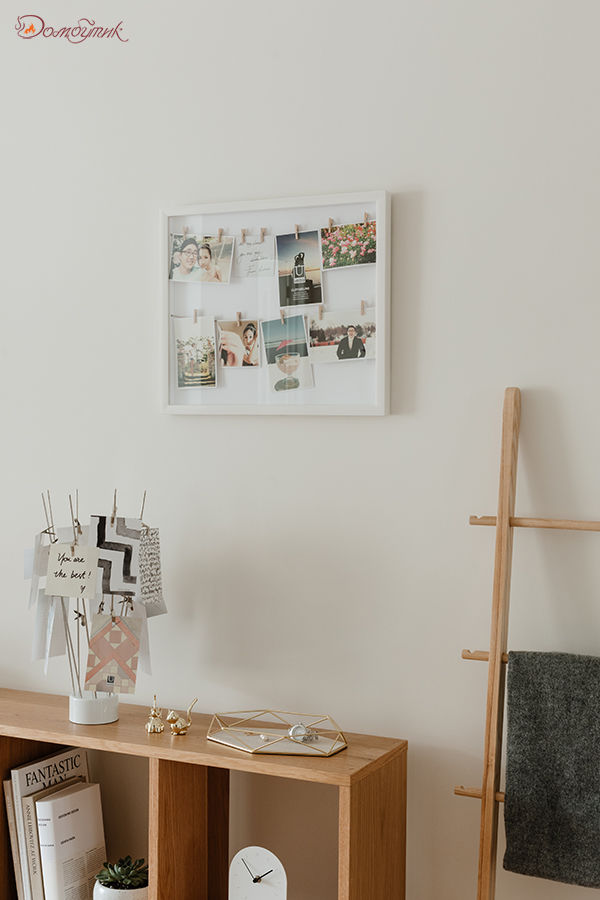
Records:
x=178, y=724
x=155, y=724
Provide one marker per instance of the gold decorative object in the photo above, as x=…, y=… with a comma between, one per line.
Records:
x=155, y=724
x=275, y=731
x=178, y=724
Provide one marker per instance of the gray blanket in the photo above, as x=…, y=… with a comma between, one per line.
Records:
x=552, y=807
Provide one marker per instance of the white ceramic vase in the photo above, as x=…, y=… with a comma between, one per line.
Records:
x=101, y=892
x=90, y=710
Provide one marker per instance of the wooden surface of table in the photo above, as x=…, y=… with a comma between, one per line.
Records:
x=189, y=796
x=45, y=717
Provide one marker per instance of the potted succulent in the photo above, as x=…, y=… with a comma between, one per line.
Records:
x=123, y=880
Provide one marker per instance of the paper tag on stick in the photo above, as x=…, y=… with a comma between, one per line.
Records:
x=72, y=571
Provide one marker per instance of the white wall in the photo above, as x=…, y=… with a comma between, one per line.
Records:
x=482, y=120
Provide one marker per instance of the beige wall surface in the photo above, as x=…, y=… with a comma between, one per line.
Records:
x=482, y=120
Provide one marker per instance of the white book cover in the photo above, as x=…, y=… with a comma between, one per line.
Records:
x=72, y=846
x=37, y=776
x=31, y=834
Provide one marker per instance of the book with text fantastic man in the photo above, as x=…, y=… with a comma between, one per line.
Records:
x=37, y=776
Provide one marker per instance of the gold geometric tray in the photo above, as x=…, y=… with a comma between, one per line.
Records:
x=275, y=731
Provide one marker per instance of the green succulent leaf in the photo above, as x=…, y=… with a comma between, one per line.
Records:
x=124, y=875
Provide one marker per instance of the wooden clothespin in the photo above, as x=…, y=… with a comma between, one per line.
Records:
x=195, y=317
x=320, y=310
x=238, y=318
x=114, y=509
x=262, y=235
x=297, y=229
x=282, y=316
x=366, y=218
x=330, y=223
x=244, y=235
x=362, y=307
x=185, y=230
x=220, y=235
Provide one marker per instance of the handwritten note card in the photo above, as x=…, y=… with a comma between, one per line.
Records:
x=72, y=574
x=254, y=257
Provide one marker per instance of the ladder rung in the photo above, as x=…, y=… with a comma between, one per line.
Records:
x=461, y=791
x=521, y=522
x=481, y=655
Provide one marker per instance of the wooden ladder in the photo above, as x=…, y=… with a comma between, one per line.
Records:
x=497, y=657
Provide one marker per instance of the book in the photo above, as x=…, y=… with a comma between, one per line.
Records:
x=14, y=840
x=32, y=840
x=71, y=833
x=37, y=776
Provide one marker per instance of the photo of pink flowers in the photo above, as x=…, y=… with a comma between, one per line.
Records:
x=349, y=245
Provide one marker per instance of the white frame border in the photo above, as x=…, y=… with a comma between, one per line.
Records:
x=381, y=407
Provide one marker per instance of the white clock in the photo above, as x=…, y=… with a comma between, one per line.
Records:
x=256, y=874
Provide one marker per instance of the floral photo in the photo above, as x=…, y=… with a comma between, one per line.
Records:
x=195, y=352
x=349, y=245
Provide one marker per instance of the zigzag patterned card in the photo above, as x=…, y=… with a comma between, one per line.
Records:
x=113, y=655
x=119, y=554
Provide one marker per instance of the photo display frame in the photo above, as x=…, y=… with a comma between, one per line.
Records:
x=277, y=307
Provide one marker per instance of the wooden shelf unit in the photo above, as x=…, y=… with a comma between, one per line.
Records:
x=188, y=844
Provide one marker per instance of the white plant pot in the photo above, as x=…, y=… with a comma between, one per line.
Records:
x=94, y=711
x=101, y=892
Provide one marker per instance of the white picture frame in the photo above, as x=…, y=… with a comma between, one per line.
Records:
x=356, y=387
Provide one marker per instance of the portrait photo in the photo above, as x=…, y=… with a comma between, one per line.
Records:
x=238, y=343
x=349, y=245
x=299, y=268
x=286, y=354
x=341, y=335
x=195, y=352
x=201, y=258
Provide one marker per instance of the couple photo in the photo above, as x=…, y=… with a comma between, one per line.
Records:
x=200, y=259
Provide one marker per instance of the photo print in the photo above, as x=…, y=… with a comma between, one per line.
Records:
x=254, y=257
x=286, y=352
x=201, y=258
x=299, y=268
x=349, y=245
x=195, y=352
x=340, y=335
x=238, y=343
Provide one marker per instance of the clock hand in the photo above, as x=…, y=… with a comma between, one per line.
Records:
x=266, y=873
x=246, y=864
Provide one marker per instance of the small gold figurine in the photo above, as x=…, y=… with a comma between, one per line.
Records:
x=155, y=724
x=178, y=724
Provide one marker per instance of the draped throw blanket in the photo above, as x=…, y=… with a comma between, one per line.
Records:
x=552, y=804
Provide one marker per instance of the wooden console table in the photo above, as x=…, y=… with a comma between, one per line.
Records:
x=188, y=849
